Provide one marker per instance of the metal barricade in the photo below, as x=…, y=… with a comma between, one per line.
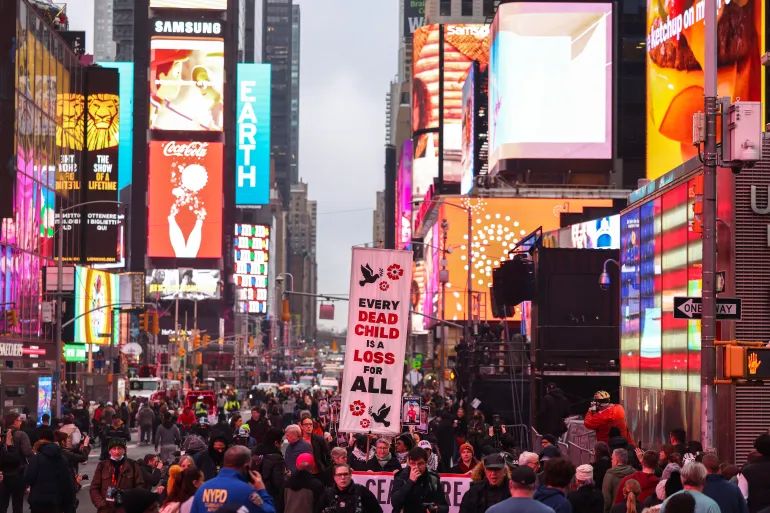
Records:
x=519, y=434
x=578, y=455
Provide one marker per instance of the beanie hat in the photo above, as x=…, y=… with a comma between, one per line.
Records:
x=305, y=461
x=584, y=473
x=116, y=442
x=469, y=447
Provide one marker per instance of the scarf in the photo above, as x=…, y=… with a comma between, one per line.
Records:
x=433, y=462
x=383, y=461
x=402, y=456
x=465, y=468
x=360, y=455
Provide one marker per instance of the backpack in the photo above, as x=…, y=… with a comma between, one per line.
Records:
x=11, y=459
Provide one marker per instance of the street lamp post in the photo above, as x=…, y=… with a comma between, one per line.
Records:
x=286, y=323
x=57, y=379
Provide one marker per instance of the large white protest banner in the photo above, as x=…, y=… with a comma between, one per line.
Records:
x=380, y=286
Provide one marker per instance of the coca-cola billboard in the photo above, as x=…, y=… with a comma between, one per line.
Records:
x=185, y=200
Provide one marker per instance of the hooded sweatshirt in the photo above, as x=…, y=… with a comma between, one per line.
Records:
x=648, y=482
x=49, y=477
x=554, y=499
x=167, y=434
x=611, y=483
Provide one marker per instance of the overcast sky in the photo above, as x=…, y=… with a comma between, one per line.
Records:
x=346, y=66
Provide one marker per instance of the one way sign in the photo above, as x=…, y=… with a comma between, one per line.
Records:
x=728, y=308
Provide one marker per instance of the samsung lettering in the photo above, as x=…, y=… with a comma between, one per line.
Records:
x=188, y=27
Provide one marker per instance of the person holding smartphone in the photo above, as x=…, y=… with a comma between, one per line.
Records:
x=417, y=489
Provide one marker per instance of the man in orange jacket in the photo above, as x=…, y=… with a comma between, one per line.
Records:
x=603, y=415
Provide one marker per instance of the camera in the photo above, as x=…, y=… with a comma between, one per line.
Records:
x=84, y=477
x=604, y=281
x=115, y=494
x=430, y=506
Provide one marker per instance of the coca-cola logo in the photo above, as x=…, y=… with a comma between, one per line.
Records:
x=191, y=149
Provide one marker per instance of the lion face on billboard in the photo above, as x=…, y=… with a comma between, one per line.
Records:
x=69, y=116
x=103, y=121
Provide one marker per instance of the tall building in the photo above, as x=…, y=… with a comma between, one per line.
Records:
x=253, y=24
x=302, y=260
x=123, y=29
x=295, y=40
x=277, y=51
x=378, y=221
x=104, y=47
x=458, y=11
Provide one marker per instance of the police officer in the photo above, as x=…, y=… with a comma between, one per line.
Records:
x=200, y=408
x=236, y=484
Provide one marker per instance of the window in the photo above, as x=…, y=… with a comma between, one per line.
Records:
x=467, y=7
x=445, y=8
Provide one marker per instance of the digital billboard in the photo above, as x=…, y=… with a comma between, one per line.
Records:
x=602, y=233
x=404, y=204
x=192, y=284
x=185, y=199
x=100, y=177
x=660, y=259
x=252, y=150
x=498, y=225
x=563, y=56
x=675, y=63
x=414, y=15
x=70, y=136
x=462, y=44
x=475, y=127
x=218, y=5
x=126, y=145
x=96, y=293
x=251, y=252
x=186, y=83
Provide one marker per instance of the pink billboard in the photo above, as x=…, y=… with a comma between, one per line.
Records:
x=404, y=198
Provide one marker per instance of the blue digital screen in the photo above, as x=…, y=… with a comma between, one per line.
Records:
x=126, y=144
x=252, y=157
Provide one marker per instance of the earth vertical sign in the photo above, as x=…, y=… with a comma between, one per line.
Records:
x=380, y=285
x=252, y=149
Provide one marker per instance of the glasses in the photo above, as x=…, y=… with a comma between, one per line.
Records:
x=346, y=474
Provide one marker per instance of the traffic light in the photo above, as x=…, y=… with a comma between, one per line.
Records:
x=144, y=322
x=181, y=351
x=10, y=318
x=199, y=359
x=196, y=341
x=206, y=340
x=251, y=342
x=286, y=313
x=155, y=323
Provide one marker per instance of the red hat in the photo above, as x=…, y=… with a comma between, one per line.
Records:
x=305, y=461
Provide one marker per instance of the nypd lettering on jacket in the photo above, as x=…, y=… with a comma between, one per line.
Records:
x=188, y=27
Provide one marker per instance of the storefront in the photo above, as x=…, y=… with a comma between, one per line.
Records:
x=660, y=258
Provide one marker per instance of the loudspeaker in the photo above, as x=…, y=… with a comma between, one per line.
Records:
x=512, y=283
x=506, y=396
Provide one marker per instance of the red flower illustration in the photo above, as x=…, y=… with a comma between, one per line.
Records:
x=384, y=286
x=395, y=272
x=357, y=408
x=365, y=423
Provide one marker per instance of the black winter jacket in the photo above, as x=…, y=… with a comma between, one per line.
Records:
x=272, y=468
x=587, y=499
x=391, y=465
x=409, y=496
x=350, y=496
x=476, y=499
x=49, y=478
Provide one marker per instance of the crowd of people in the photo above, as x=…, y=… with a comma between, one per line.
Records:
x=287, y=458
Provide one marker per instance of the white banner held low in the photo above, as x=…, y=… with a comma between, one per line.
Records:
x=381, y=484
x=380, y=285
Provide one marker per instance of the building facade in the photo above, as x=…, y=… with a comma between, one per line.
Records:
x=458, y=11
x=104, y=47
x=378, y=220
x=295, y=55
x=302, y=260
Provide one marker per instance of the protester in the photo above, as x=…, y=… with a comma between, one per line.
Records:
x=236, y=484
x=493, y=489
x=603, y=415
x=383, y=460
x=756, y=476
x=345, y=496
x=586, y=497
x=118, y=473
x=415, y=485
x=210, y=461
x=270, y=463
x=359, y=456
x=320, y=448
x=258, y=425
x=726, y=494
x=620, y=469
x=522, y=486
x=693, y=480
x=13, y=463
x=631, y=503
x=182, y=485
x=433, y=459
x=646, y=477
x=296, y=447
x=48, y=476
x=558, y=475
x=602, y=462
x=467, y=460
x=404, y=444
x=303, y=492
